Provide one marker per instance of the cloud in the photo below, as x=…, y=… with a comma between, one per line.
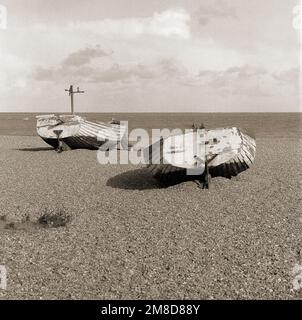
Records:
x=231, y=75
x=169, y=23
x=14, y=71
x=109, y=74
x=122, y=73
x=246, y=80
x=288, y=76
x=83, y=66
x=163, y=69
x=76, y=65
x=84, y=56
x=217, y=10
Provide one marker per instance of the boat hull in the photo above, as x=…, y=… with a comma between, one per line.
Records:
x=77, y=133
x=52, y=142
x=76, y=142
x=225, y=151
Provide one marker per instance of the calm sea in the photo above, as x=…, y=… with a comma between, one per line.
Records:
x=260, y=124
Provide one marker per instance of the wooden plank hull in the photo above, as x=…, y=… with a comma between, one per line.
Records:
x=78, y=133
x=227, y=152
x=76, y=142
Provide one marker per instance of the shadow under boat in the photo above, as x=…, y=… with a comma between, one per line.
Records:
x=142, y=179
x=35, y=149
x=138, y=179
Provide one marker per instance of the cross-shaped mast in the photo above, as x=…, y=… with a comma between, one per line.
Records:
x=71, y=93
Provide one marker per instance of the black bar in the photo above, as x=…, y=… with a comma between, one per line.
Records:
x=146, y=309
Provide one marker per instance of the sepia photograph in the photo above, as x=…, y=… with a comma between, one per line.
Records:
x=150, y=150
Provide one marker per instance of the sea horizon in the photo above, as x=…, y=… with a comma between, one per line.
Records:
x=263, y=124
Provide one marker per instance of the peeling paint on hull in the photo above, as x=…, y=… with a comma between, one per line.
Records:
x=76, y=132
x=227, y=151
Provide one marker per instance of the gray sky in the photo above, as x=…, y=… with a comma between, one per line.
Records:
x=150, y=55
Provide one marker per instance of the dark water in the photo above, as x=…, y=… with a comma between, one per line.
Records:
x=277, y=125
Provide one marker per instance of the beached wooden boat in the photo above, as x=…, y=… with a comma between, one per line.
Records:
x=75, y=132
x=200, y=154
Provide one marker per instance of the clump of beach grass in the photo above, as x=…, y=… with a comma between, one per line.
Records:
x=54, y=218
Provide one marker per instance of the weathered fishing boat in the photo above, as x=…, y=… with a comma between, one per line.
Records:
x=75, y=132
x=201, y=154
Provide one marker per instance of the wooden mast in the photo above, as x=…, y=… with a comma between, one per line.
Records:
x=71, y=93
